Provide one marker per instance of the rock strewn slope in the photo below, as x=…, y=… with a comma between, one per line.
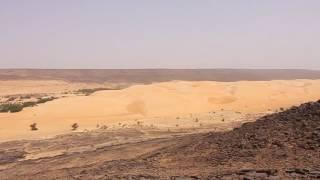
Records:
x=285, y=144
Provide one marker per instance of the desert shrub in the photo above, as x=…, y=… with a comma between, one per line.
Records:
x=140, y=123
x=44, y=100
x=11, y=99
x=88, y=92
x=25, y=97
x=33, y=127
x=10, y=108
x=74, y=126
x=29, y=104
x=104, y=127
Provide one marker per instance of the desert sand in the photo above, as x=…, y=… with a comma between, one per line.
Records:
x=167, y=105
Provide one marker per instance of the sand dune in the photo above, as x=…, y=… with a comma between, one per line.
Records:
x=168, y=104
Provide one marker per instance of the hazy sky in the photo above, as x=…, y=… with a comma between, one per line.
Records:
x=160, y=34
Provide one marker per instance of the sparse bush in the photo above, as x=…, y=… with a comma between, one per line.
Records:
x=33, y=127
x=104, y=127
x=25, y=97
x=29, y=104
x=11, y=99
x=88, y=92
x=44, y=100
x=74, y=126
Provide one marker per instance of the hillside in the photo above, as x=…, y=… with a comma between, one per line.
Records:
x=285, y=144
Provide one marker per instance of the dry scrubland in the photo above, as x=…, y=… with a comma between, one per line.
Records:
x=170, y=106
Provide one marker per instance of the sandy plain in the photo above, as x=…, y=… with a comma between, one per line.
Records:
x=174, y=105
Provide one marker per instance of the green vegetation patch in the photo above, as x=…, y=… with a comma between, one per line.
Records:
x=16, y=107
x=44, y=100
x=29, y=104
x=88, y=92
x=11, y=107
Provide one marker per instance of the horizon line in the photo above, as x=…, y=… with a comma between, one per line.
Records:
x=159, y=69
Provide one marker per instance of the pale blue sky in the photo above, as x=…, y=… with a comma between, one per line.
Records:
x=160, y=34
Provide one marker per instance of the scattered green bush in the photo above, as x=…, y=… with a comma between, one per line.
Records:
x=44, y=100
x=10, y=107
x=15, y=107
x=88, y=92
x=29, y=104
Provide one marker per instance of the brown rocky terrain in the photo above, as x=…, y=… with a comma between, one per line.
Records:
x=284, y=145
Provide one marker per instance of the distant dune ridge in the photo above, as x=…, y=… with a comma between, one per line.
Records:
x=157, y=75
